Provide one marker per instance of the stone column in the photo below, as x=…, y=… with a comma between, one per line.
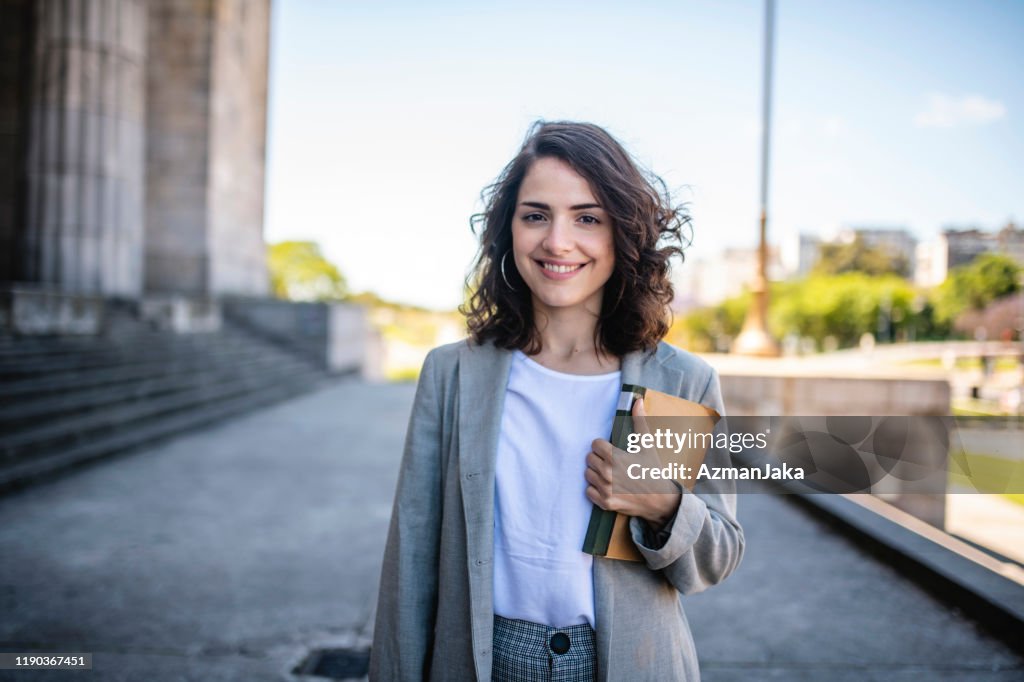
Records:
x=238, y=123
x=15, y=18
x=83, y=226
x=207, y=94
x=177, y=147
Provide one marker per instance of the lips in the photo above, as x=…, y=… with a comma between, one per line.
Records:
x=558, y=271
x=552, y=267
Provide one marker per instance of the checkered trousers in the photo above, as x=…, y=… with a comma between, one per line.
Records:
x=530, y=652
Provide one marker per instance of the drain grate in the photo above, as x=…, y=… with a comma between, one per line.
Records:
x=336, y=664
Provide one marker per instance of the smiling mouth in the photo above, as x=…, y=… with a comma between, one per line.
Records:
x=560, y=269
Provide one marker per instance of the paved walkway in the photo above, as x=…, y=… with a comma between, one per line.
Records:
x=227, y=554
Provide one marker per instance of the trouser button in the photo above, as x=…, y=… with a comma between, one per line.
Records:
x=559, y=642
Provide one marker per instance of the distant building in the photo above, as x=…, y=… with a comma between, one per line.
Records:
x=896, y=242
x=956, y=247
x=799, y=254
x=1011, y=242
x=801, y=251
x=963, y=246
x=930, y=263
x=712, y=280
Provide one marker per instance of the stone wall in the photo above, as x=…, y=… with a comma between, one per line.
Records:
x=336, y=336
x=809, y=395
x=775, y=395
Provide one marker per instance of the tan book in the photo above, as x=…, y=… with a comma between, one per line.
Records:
x=608, y=533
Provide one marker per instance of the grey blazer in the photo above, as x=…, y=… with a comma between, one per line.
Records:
x=435, y=611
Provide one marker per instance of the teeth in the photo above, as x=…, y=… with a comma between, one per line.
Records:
x=561, y=268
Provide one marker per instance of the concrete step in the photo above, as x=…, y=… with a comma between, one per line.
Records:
x=33, y=409
x=49, y=465
x=68, y=401
x=27, y=346
x=105, y=355
x=149, y=368
x=70, y=430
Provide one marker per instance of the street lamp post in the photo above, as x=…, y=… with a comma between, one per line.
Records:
x=754, y=339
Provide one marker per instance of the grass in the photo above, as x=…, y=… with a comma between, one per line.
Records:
x=976, y=408
x=990, y=475
x=966, y=412
x=1004, y=363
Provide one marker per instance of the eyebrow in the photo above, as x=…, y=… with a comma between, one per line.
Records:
x=577, y=207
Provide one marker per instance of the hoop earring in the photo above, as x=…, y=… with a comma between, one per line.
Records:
x=503, y=271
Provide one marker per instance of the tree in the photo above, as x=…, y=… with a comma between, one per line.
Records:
x=840, y=306
x=857, y=256
x=710, y=328
x=300, y=272
x=976, y=284
x=843, y=306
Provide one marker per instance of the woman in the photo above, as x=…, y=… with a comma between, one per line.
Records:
x=483, y=575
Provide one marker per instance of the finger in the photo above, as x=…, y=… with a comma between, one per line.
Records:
x=599, y=467
x=595, y=478
x=606, y=459
x=606, y=502
x=640, y=417
x=602, y=447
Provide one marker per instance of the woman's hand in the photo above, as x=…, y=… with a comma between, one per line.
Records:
x=654, y=500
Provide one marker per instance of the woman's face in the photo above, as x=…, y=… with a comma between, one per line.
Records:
x=561, y=238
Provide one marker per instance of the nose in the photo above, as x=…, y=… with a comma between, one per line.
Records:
x=559, y=238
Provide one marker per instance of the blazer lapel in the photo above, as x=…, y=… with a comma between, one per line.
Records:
x=650, y=370
x=483, y=378
x=643, y=369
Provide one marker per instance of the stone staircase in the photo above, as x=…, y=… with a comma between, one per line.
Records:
x=67, y=401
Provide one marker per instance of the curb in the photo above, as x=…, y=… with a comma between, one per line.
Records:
x=951, y=570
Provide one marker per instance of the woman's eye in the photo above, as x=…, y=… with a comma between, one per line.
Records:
x=589, y=220
x=533, y=217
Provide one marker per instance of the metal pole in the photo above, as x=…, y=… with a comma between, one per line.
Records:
x=755, y=339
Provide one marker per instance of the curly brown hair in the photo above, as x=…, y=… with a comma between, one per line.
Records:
x=647, y=228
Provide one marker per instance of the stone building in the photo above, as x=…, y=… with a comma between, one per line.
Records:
x=956, y=247
x=799, y=253
x=132, y=145
x=896, y=242
x=134, y=293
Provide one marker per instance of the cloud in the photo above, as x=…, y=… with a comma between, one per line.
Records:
x=946, y=111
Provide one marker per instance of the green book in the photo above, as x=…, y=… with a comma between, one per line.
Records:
x=602, y=521
x=608, y=534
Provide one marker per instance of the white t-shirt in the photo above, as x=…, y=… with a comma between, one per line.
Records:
x=541, y=510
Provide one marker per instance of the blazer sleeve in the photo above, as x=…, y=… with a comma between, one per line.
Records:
x=407, y=602
x=703, y=544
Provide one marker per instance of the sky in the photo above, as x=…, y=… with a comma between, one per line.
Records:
x=387, y=119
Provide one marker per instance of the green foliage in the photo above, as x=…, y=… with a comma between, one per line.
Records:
x=857, y=256
x=848, y=305
x=372, y=300
x=839, y=306
x=843, y=306
x=299, y=272
x=975, y=285
x=709, y=329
